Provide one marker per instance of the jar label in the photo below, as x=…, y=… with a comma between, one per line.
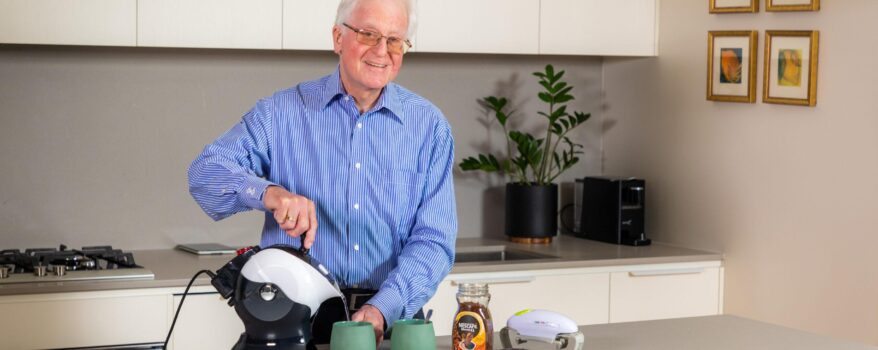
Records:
x=470, y=329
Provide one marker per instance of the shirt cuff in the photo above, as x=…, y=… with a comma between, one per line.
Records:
x=251, y=192
x=390, y=305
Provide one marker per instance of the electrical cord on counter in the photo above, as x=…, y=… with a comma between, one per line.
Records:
x=561, y=218
x=180, y=306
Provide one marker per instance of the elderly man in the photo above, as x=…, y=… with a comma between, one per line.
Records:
x=365, y=158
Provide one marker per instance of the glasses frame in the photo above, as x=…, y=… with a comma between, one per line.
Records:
x=404, y=48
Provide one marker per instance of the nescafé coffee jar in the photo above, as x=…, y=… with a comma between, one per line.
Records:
x=473, y=328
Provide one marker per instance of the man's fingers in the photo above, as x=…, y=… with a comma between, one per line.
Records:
x=379, y=336
x=280, y=215
x=311, y=234
x=358, y=316
x=301, y=222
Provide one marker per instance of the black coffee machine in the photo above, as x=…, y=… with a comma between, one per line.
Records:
x=613, y=210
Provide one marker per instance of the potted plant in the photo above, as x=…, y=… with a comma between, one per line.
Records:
x=532, y=163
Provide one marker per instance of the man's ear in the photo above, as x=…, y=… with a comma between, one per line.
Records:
x=336, y=39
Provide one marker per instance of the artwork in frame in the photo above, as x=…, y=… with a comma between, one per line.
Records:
x=734, y=6
x=731, y=66
x=790, y=67
x=792, y=5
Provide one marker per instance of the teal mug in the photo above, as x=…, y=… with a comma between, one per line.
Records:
x=352, y=335
x=413, y=335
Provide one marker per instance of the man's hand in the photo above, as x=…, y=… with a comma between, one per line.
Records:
x=294, y=213
x=371, y=314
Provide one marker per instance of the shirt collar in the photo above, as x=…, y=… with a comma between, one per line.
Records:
x=389, y=98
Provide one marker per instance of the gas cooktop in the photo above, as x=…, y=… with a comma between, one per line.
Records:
x=63, y=264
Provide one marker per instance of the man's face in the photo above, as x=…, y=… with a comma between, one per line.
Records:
x=369, y=68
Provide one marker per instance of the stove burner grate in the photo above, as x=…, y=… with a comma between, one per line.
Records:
x=87, y=258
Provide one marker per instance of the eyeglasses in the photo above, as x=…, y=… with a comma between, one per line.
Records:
x=372, y=38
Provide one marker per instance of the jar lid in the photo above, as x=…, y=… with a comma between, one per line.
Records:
x=473, y=288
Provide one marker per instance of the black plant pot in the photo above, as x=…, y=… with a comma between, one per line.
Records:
x=531, y=212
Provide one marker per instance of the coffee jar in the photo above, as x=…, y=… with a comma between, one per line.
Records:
x=473, y=328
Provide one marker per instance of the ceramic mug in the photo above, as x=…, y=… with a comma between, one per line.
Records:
x=352, y=335
x=413, y=335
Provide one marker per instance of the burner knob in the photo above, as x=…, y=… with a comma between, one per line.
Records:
x=4, y=272
x=60, y=270
x=40, y=270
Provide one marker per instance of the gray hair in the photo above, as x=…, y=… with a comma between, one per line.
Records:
x=346, y=7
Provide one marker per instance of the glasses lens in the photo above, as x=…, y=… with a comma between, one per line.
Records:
x=394, y=45
x=368, y=37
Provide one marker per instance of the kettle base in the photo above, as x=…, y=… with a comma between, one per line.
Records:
x=281, y=344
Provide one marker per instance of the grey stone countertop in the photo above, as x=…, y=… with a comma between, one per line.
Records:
x=173, y=268
x=723, y=332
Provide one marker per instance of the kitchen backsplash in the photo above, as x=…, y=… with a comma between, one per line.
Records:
x=96, y=142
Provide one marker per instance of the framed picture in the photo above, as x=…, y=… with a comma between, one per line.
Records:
x=790, y=69
x=733, y=6
x=792, y=5
x=731, y=66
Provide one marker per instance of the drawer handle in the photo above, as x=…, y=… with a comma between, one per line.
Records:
x=494, y=280
x=683, y=271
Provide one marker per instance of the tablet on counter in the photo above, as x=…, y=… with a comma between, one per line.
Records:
x=206, y=248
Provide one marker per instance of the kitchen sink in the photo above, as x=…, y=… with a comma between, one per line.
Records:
x=497, y=253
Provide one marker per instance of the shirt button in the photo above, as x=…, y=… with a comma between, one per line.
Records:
x=357, y=206
x=359, y=125
x=347, y=98
x=357, y=247
x=357, y=165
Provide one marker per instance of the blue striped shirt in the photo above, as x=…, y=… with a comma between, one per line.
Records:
x=381, y=182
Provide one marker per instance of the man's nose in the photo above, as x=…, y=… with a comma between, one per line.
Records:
x=381, y=46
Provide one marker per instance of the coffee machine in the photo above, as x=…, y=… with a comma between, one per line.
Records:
x=612, y=210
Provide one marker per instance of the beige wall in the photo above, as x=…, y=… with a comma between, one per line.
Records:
x=95, y=142
x=786, y=192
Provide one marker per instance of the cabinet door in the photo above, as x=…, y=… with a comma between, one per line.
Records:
x=206, y=322
x=598, y=27
x=582, y=297
x=239, y=24
x=478, y=26
x=664, y=293
x=69, y=22
x=307, y=24
x=72, y=320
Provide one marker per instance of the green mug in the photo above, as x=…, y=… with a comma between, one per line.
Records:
x=413, y=335
x=352, y=335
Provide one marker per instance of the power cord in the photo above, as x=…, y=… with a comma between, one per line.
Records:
x=180, y=306
x=561, y=218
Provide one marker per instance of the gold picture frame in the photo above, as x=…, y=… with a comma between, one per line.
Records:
x=790, y=67
x=792, y=5
x=734, y=6
x=731, y=65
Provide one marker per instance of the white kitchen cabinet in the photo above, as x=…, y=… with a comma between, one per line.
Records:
x=478, y=26
x=65, y=320
x=669, y=291
x=237, y=24
x=599, y=27
x=307, y=24
x=592, y=295
x=205, y=322
x=581, y=296
x=69, y=22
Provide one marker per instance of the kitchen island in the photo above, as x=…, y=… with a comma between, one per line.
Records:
x=693, y=333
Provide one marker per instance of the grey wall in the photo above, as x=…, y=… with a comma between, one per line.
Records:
x=95, y=142
x=787, y=193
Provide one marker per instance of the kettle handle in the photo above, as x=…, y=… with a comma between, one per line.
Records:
x=302, y=245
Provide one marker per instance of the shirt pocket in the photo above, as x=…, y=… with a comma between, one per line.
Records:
x=403, y=190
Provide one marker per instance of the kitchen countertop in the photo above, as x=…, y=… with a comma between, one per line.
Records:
x=173, y=268
x=723, y=332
